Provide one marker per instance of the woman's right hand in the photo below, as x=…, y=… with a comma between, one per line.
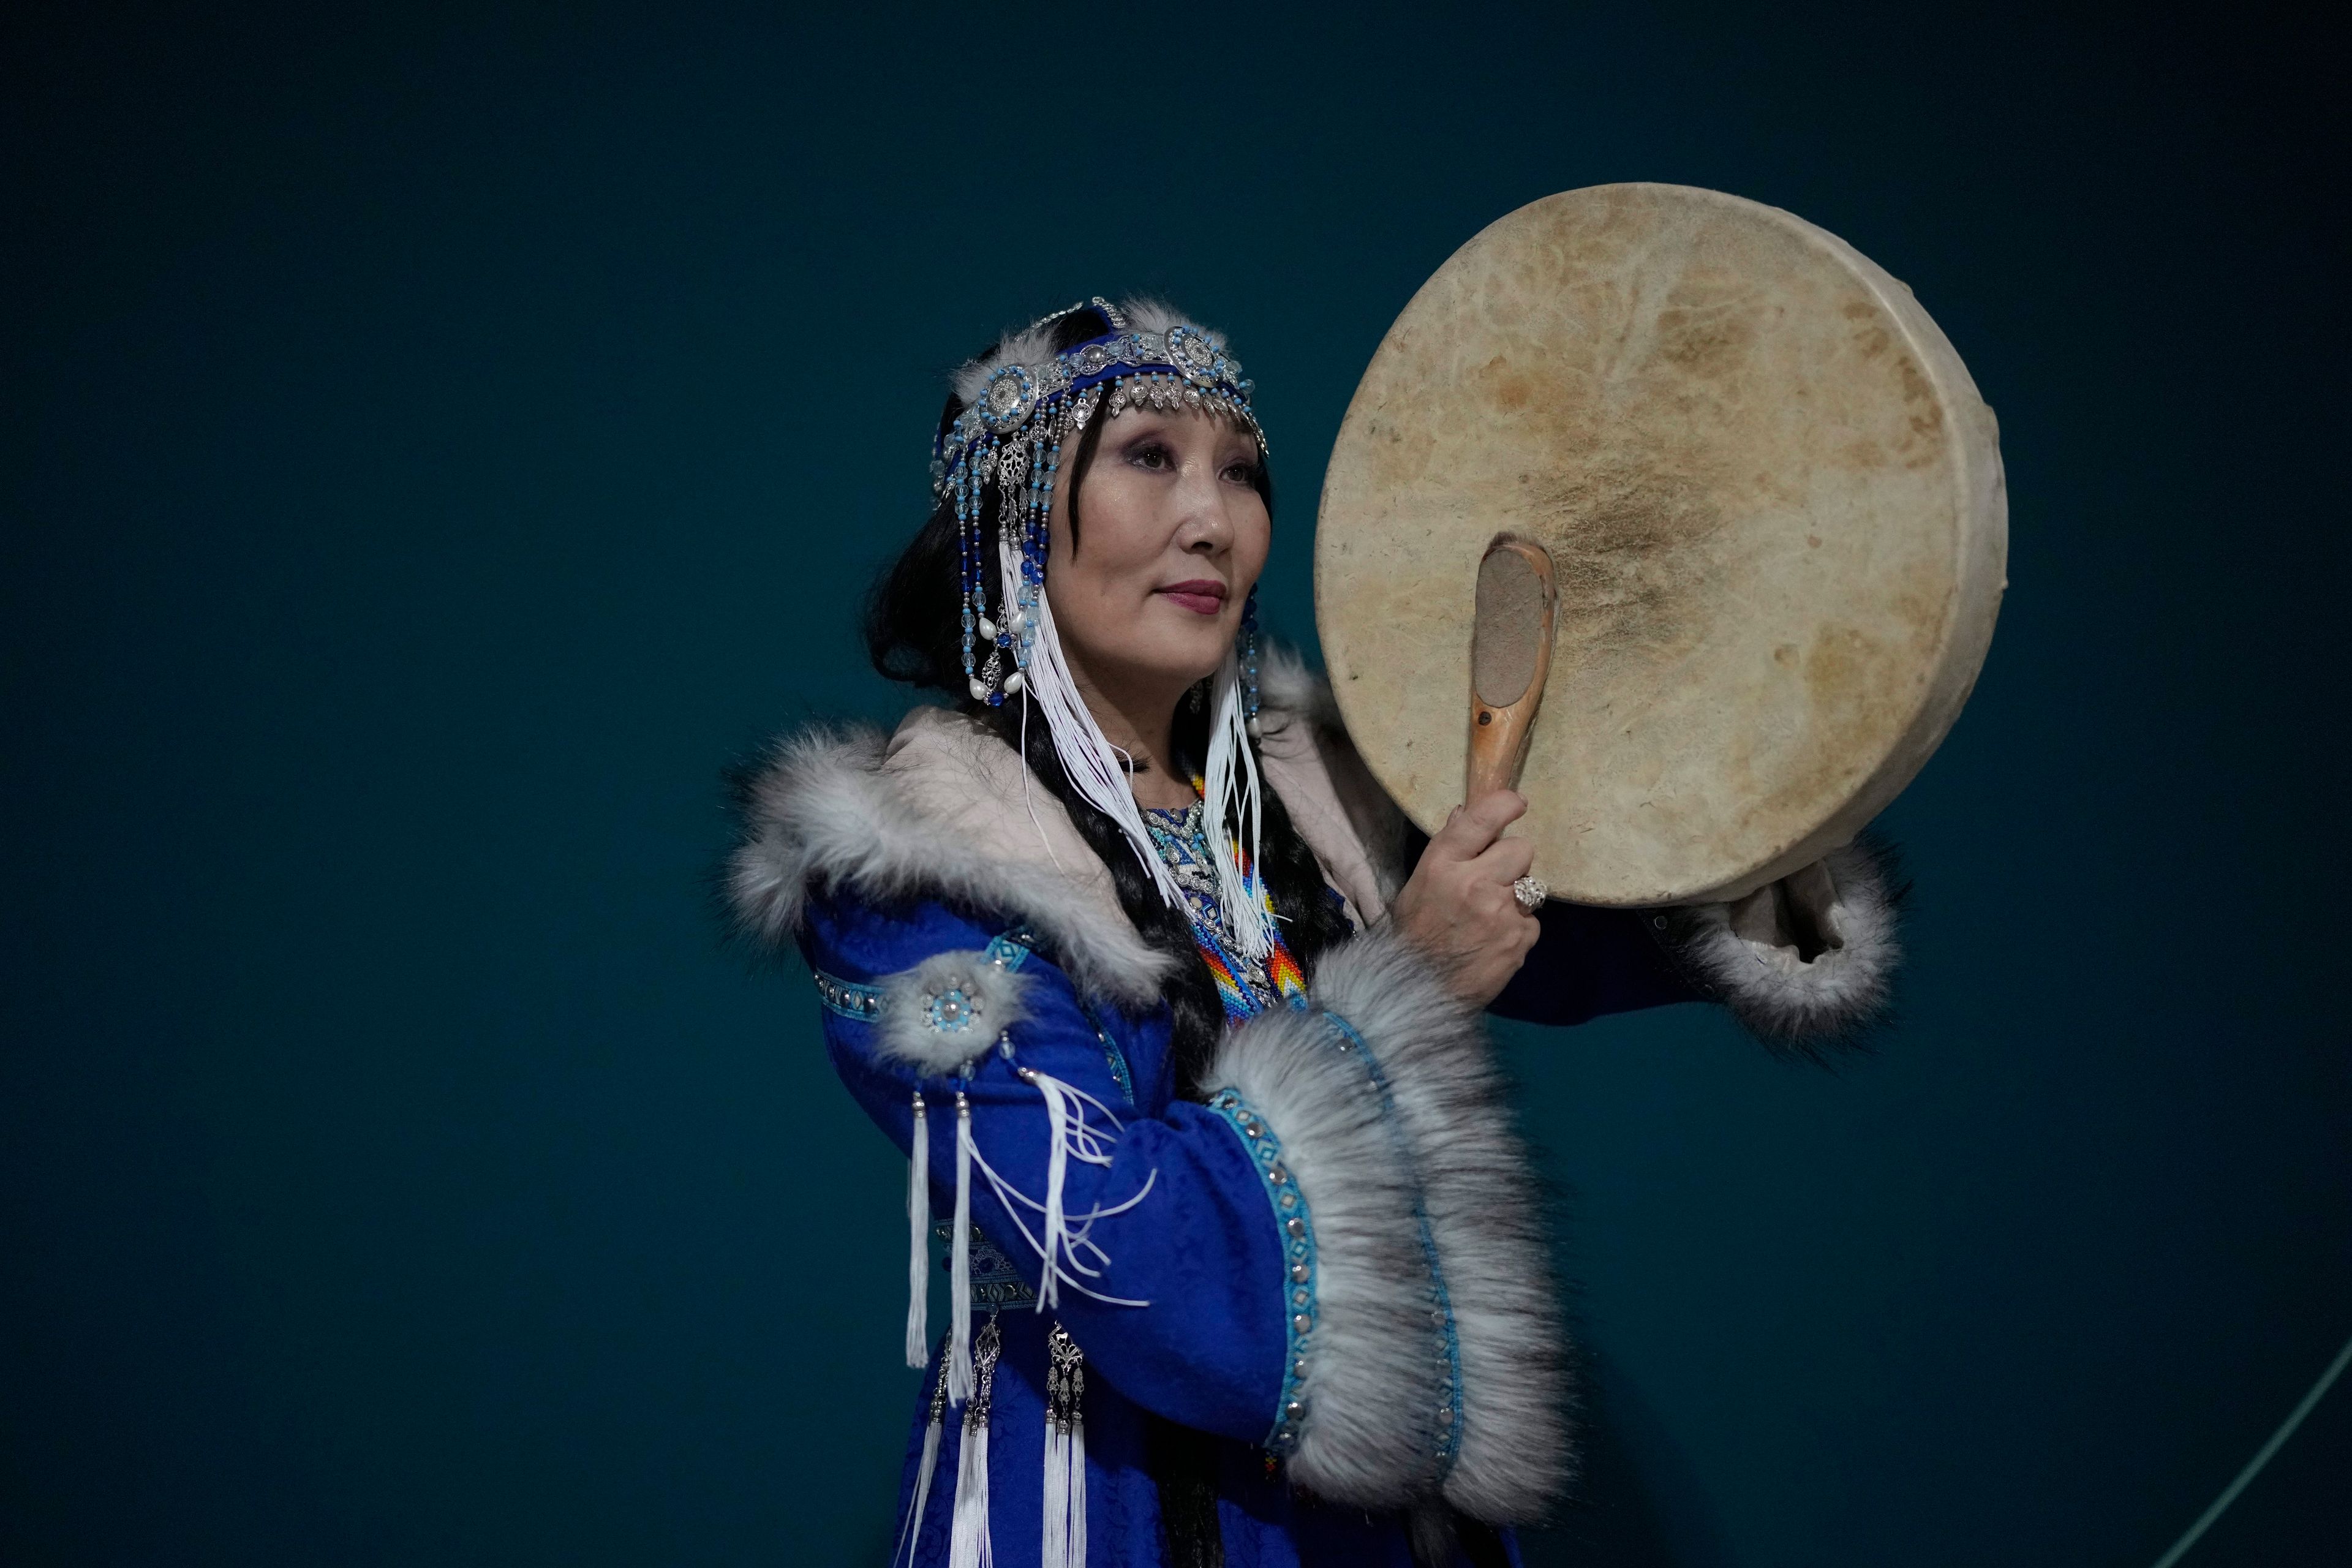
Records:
x=1458, y=907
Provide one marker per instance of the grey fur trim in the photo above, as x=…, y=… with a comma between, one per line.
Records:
x=944, y=809
x=1361, y=828
x=1286, y=682
x=906, y=1030
x=1479, y=1191
x=1373, y=1385
x=824, y=812
x=1843, y=911
x=1147, y=314
x=1033, y=346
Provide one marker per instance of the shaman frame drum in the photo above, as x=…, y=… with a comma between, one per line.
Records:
x=1772, y=499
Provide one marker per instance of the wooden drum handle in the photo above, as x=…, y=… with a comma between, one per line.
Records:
x=1510, y=656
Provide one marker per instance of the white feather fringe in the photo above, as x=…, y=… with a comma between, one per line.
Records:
x=919, y=1251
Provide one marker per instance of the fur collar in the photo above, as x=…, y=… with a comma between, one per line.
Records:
x=942, y=809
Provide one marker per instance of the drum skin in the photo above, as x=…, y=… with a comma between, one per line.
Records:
x=1773, y=500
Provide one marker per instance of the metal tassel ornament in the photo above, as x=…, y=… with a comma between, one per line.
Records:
x=968, y=1545
x=1065, y=1452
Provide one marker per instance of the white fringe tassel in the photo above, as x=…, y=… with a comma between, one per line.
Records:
x=1075, y=1449
x=968, y=1543
x=1066, y=1243
x=1059, y=1113
x=1232, y=783
x=906, y=1536
x=1079, y=1494
x=912, y=1531
x=1094, y=766
x=919, y=1251
x=1087, y=756
x=959, y=1264
x=1057, y=1500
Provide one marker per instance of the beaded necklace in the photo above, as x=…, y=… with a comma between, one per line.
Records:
x=1246, y=989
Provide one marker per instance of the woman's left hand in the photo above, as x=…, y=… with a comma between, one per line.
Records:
x=1458, y=907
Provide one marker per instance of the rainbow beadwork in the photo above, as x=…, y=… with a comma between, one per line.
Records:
x=1245, y=989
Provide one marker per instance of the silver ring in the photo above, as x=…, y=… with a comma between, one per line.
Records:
x=1530, y=894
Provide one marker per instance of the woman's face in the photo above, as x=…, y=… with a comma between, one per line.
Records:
x=1171, y=537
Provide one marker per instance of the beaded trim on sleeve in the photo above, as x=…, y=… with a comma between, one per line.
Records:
x=1296, y=1228
x=1113, y=1058
x=852, y=999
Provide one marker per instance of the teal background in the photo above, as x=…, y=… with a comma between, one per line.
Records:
x=436, y=442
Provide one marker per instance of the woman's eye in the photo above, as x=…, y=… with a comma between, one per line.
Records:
x=1154, y=458
x=1242, y=473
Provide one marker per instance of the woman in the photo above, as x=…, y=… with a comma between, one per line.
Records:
x=1246, y=1263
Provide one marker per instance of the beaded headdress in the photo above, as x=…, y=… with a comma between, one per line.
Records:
x=1020, y=404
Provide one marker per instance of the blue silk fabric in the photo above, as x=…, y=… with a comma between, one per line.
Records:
x=1202, y=1248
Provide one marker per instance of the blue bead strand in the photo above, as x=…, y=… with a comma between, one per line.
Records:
x=1249, y=661
x=960, y=479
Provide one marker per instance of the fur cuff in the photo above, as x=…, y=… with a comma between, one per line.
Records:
x=1371, y=1386
x=1375, y=1384
x=1807, y=960
x=1479, y=1191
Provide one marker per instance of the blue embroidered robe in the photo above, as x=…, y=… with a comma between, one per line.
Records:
x=1337, y=1263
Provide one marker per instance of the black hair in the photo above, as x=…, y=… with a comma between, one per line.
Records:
x=914, y=634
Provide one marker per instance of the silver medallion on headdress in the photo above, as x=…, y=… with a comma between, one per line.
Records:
x=1149, y=357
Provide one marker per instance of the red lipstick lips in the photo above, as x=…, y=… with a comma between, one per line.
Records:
x=1203, y=595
